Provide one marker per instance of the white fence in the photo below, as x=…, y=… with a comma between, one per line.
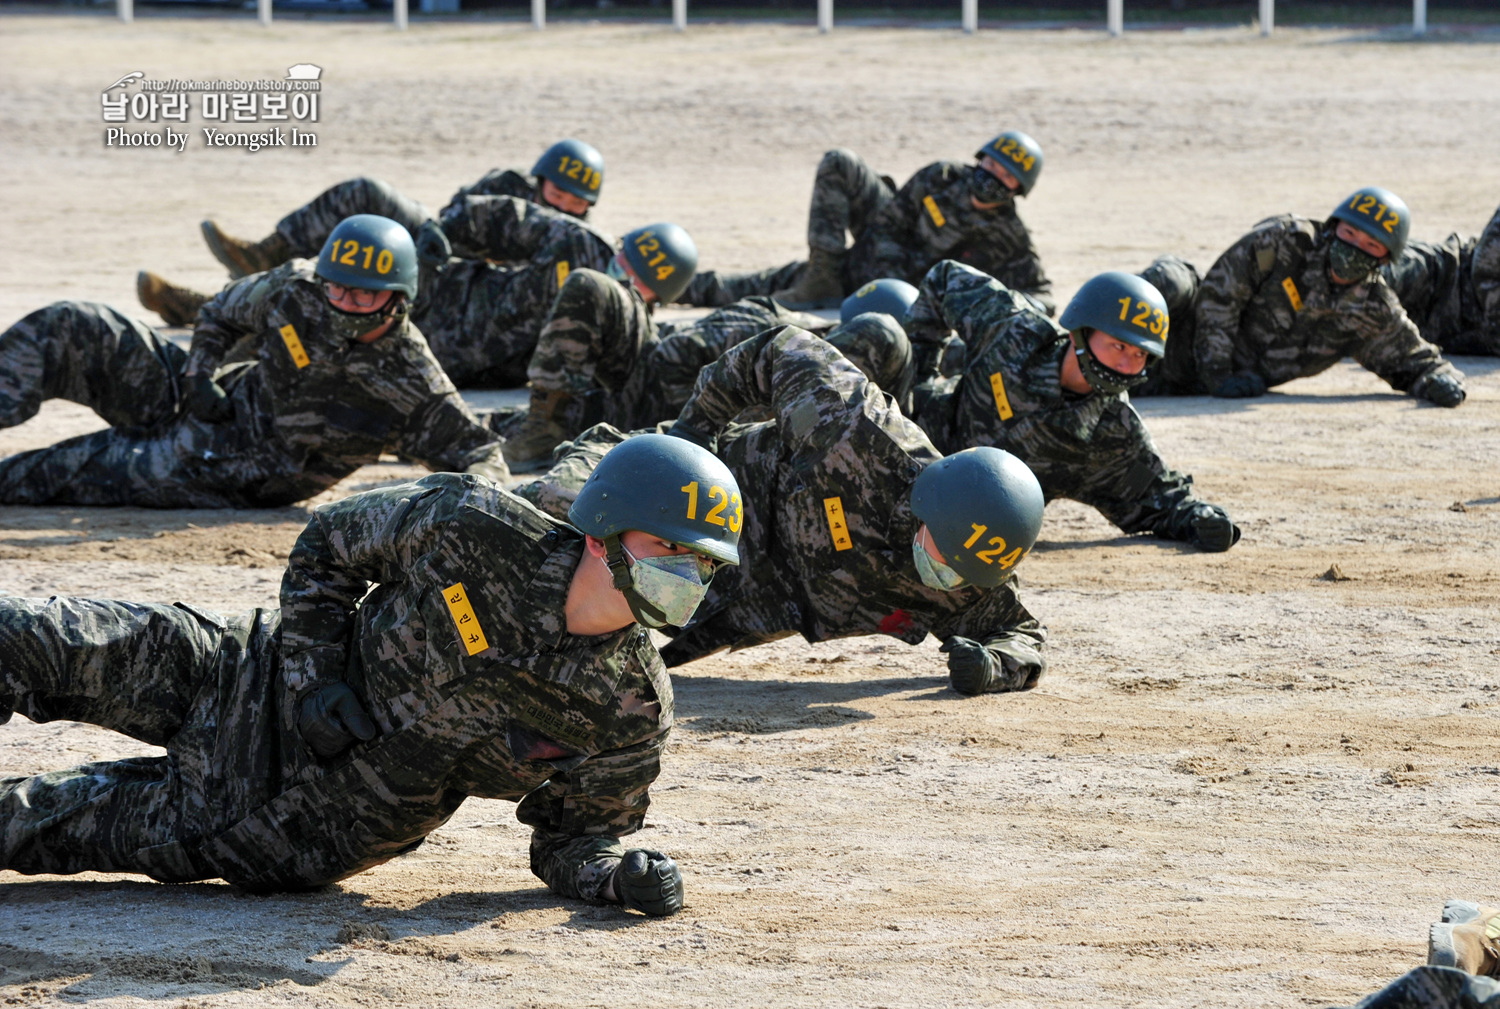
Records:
x=1114, y=14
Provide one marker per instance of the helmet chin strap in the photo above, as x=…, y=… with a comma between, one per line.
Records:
x=619, y=569
x=1102, y=377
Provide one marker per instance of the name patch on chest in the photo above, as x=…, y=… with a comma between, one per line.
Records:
x=462, y=612
x=562, y=272
x=1002, y=401
x=1292, y=294
x=833, y=507
x=933, y=211
x=294, y=346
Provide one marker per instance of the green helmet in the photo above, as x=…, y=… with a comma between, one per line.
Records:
x=574, y=167
x=983, y=507
x=1379, y=213
x=875, y=343
x=667, y=487
x=1019, y=153
x=1128, y=309
x=371, y=252
x=663, y=257
x=891, y=296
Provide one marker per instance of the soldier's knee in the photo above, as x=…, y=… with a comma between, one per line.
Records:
x=841, y=162
x=877, y=345
x=1176, y=279
x=587, y=293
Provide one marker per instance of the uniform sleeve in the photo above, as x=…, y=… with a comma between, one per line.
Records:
x=577, y=818
x=1130, y=483
x=682, y=354
x=240, y=309
x=1226, y=291
x=348, y=545
x=801, y=379
x=503, y=228
x=1486, y=275
x=1008, y=631
x=1392, y=347
x=497, y=182
x=957, y=299
x=445, y=436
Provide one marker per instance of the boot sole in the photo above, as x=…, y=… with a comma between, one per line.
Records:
x=1440, y=951
x=221, y=253
x=1457, y=912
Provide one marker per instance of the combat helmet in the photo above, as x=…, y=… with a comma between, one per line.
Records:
x=574, y=167
x=1128, y=309
x=371, y=252
x=983, y=507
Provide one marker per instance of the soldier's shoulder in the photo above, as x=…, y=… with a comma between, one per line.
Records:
x=481, y=500
x=942, y=171
x=1286, y=225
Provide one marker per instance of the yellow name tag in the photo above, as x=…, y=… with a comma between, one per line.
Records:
x=562, y=272
x=1291, y=294
x=933, y=211
x=464, y=618
x=294, y=346
x=1002, y=401
x=837, y=527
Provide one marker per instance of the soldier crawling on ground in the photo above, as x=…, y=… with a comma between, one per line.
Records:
x=337, y=375
x=497, y=655
x=947, y=210
x=1291, y=299
x=1451, y=290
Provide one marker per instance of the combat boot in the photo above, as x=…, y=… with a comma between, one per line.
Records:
x=529, y=447
x=1468, y=938
x=819, y=284
x=244, y=258
x=177, y=306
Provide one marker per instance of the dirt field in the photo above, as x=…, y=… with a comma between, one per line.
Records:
x=1240, y=784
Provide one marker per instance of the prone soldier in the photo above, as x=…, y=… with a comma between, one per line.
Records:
x=853, y=522
x=947, y=210
x=1451, y=290
x=337, y=375
x=1290, y=300
x=1053, y=394
x=498, y=655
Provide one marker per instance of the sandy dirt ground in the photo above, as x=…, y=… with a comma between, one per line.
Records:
x=1239, y=785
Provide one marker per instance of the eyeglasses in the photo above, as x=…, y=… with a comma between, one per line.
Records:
x=362, y=297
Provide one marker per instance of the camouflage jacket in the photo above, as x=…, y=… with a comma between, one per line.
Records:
x=461, y=655
x=932, y=219
x=1092, y=448
x=335, y=403
x=1267, y=307
x=509, y=229
x=828, y=526
x=1451, y=290
x=1486, y=271
x=504, y=182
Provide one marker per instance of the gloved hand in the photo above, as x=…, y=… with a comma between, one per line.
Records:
x=207, y=400
x=689, y=433
x=648, y=881
x=1212, y=529
x=973, y=668
x=433, y=247
x=331, y=719
x=1443, y=389
x=1242, y=386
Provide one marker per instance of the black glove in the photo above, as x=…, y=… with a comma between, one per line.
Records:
x=433, y=247
x=650, y=882
x=689, y=433
x=207, y=400
x=974, y=668
x=1443, y=389
x=1242, y=386
x=1212, y=529
x=331, y=719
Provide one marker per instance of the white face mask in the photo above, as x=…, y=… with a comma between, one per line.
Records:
x=674, y=583
x=934, y=574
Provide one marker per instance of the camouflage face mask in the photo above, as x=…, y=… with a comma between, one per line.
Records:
x=350, y=326
x=934, y=574
x=673, y=583
x=987, y=188
x=1350, y=263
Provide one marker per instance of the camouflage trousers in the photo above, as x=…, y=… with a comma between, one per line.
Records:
x=200, y=685
x=155, y=455
x=1445, y=305
x=1436, y=988
x=482, y=319
x=1179, y=283
x=1485, y=272
x=93, y=355
x=308, y=227
x=848, y=196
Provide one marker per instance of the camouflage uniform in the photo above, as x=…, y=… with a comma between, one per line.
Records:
x=297, y=429
x=239, y=796
x=897, y=233
x=835, y=436
x=481, y=317
x=1451, y=290
x=1436, y=988
x=1267, y=308
x=1093, y=448
x=601, y=344
x=308, y=227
